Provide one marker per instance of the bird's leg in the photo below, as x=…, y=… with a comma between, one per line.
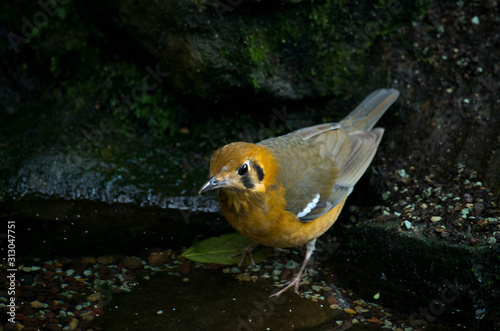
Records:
x=246, y=251
x=295, y=281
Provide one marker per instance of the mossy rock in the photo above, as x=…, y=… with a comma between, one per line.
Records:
x=284, y=49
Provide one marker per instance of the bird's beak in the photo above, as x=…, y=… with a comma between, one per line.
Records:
x=212, y=184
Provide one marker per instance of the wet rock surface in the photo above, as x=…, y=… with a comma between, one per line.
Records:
x=116, y=292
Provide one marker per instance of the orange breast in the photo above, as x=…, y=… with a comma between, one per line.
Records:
x=269, y=224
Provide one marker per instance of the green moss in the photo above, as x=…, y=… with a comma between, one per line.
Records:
x=87, y=69
x=329, y=39
x=258, y=47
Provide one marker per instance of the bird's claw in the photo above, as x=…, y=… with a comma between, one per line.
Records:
x=246, y=251
x=294, y=282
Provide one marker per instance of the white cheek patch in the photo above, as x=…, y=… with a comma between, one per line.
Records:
x=310, y=206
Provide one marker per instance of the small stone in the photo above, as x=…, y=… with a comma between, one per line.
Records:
x=158, y=258
x=244, y=277
x=332, y=300
x=88, y=260
x=132, y=263
x=73, y=324
x=36, y=304
x=254, y=278
x=407, y=224
x=317, y=288
x=87, y=315
x=334, y=306
x=105, y=260
x=185, y=279
x=483, y=223
x=96, y=296
x=350, y=311
x=436, y=218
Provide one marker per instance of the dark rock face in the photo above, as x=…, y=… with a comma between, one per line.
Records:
x=284, y=49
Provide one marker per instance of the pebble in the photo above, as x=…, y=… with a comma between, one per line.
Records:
x=87, y=316
x=36, y=304
x=73, y=324
x=106, y=259
x=350, y=311
x=244, y=277
x=88, y=260
x=132, y=263
x=317, y=288
x=436, y=218
x=158, y=258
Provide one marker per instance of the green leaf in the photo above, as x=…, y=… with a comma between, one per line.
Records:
x=219, y=250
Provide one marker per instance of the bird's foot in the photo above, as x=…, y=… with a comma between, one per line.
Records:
x=293, y=283
x=246, y=251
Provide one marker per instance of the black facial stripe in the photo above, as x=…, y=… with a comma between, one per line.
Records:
x=247, y=182
x=260, y=172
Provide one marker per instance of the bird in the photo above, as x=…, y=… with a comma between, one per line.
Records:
x=286, y=191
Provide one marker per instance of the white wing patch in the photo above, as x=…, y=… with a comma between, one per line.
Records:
x=310, y=206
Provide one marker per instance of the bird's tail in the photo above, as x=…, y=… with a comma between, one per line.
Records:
x=367, y=114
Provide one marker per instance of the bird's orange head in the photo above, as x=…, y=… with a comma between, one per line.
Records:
x=242, y=167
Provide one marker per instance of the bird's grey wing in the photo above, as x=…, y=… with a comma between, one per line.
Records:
x=309, y=168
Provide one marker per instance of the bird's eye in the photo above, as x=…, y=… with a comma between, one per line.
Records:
x=243, y=170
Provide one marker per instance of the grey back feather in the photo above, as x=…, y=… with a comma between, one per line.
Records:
x=329, y=159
